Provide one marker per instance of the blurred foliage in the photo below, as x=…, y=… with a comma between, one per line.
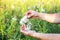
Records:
x=11, y=11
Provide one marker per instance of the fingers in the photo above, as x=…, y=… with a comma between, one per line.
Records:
x=29, y=14
x=26, y=32
x=32, y=14
x=23, y=27
x=29, y=32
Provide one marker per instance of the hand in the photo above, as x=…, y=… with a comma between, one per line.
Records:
x=26, y=32
x=29, y=32
x=40, y=36
x=32, y=14
x=33, y=33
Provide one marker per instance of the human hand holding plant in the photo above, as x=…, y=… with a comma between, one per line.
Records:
x=32, y=14
x=25, y=31
x=48, y=17
x=40, y=36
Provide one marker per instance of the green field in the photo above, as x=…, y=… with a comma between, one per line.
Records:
x=11, y=11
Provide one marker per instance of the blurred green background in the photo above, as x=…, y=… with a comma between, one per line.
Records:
x=11, y=11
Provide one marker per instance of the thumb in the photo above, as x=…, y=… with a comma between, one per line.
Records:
x=30, y=16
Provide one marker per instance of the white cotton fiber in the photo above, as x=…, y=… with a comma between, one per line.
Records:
x=25, y=21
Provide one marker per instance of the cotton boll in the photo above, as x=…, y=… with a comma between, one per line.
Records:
x=29, y=25
x=21, y=22
x=24, y=20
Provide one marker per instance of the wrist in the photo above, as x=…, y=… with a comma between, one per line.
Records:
x=42, y=16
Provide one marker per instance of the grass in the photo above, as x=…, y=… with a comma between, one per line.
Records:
x=12, y=11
